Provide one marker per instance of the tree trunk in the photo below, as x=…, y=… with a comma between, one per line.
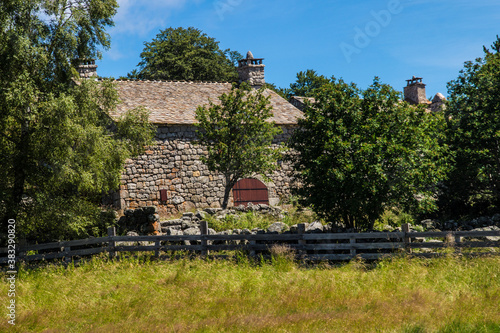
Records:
x=227, y=190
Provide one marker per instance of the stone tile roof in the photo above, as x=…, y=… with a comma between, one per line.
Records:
x=175, y=102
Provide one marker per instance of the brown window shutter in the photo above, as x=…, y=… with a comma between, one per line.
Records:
x=163, y=195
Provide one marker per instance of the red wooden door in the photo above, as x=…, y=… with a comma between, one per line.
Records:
x=250, y=190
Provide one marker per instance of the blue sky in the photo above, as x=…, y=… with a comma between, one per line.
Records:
x=354, y=40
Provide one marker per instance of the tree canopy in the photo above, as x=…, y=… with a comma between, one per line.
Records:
x=238, y=135
x=473, y=131
x=186, y=54
x=359, y=153
x=306, y=85
x=60, y=150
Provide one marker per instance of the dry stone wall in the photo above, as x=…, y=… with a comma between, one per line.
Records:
x=173, y=164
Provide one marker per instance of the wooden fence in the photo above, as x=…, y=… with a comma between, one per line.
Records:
x=309, y=246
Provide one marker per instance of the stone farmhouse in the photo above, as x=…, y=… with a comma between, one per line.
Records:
x=170, y=175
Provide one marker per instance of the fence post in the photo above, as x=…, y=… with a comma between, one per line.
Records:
x=111, y=243
x=352, y=240
x=204, y=242
x=157, y=248
x=458, y=239
x=301, y=229
x=407, y=240
x=67, y=256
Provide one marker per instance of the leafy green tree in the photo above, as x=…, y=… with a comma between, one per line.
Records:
x=359, y=153
x=473, y=130
x=186, y=54
x=238, y=135
x=306, y=85
x=60, y=150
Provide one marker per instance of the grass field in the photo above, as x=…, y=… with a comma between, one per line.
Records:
x=451, y=294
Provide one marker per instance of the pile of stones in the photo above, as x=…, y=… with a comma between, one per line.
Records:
x=144, y=221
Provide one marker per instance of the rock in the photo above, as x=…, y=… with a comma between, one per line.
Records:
x=246, y=231
x=172, y=231
x=277, y=227
x=315, y=227
x=240, y=208
x=428, y=224
x=189, y=224
x=489, y=238
x=201, y=215
x=153, y=217
x=212, y=211
x=262, y=207
x=150, y=210
x=171, y=222
x=132, y=234
x=189, y=215
x=128, y=212
x=177, y=200
x=251, y=207
x=192, y=231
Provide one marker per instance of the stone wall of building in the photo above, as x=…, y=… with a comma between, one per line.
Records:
x=173, y=164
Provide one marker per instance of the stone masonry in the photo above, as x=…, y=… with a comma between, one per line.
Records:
x=173, y=164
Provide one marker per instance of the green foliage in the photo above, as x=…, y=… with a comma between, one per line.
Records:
x=473, y=131
x=134, y=129
x=362, y=152
x=60, y=151
x=248, y=220
x=238, y=135
x=308, y=83
x=186, y=54
x=251, y=220
x=394, y=218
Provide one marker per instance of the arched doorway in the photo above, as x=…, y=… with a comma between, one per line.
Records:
x=250, y=190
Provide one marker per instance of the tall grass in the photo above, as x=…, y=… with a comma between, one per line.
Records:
x=450, y=294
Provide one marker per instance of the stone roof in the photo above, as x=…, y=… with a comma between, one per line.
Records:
x=175, y=102
x=300, y=102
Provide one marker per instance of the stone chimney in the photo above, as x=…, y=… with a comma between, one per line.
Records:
x=251, y=70
x=87, y=69
x=415, y=91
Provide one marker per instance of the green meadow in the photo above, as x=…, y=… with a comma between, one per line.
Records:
x=449, y=294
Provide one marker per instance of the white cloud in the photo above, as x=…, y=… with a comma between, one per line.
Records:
x=139, y=17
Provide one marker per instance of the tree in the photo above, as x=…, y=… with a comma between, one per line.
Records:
x=473, y=131
x=186, y=54
x=60, y=150
x=238, y=135
x=359, y=153
x=306, y=85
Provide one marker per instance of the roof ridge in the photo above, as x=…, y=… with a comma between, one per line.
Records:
x=174, y=81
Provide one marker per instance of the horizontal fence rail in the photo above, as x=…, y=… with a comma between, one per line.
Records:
x=309, y=246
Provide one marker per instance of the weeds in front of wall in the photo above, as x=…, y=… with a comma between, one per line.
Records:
x=251, y=220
